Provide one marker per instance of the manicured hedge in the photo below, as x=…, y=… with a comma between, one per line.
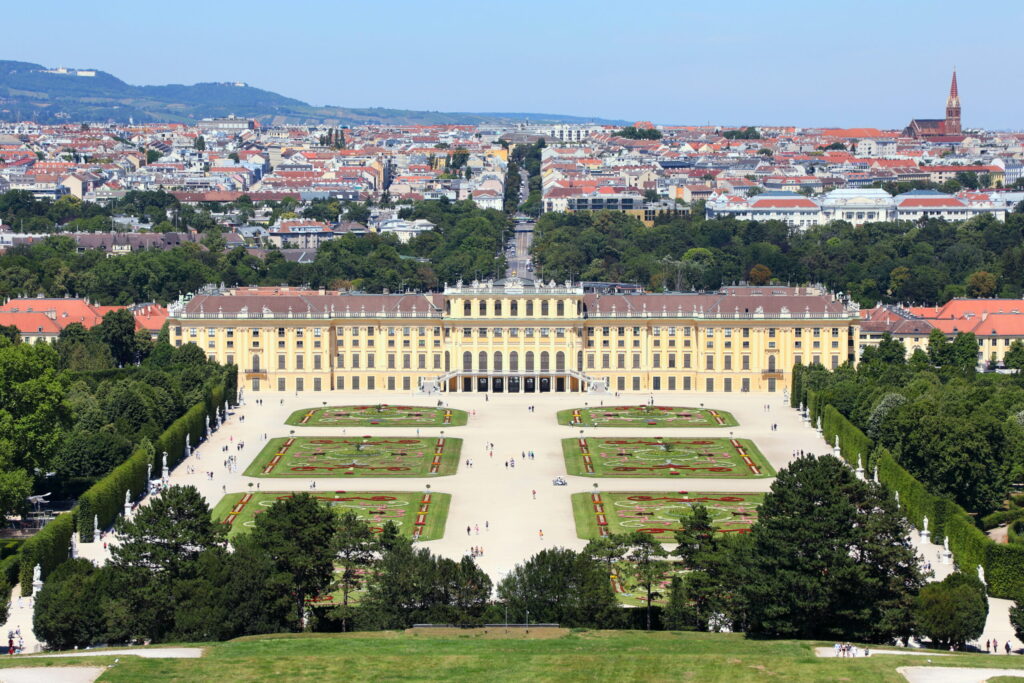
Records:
x=796, y=395
x=105, y=500
x=1003, y=562
x=852, y=441
x=1002, y=517
x=49, y=548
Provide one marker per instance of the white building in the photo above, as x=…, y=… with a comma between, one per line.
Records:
x=857, y=206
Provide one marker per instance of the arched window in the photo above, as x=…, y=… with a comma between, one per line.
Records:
x=498, y=362
x=483, y=361
x=545, y=361
x=771, y=363
x=514, y=305
x=448, y=307
x=529, y=361
x=529, y=309
x=467, y=309
x=513, y=361
x=482, y=308
x=560, y=361
x=497, y=309
x=560, y=308
x=544, y=307
x=467, y=361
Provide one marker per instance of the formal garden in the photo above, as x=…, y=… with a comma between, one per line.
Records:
x=657, y=512
x=646, y=416
x=659, y=456
x=378, y=415
x=357, y=456
x=420, y=516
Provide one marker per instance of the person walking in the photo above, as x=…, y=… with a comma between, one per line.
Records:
x=535, y=494
x=541, y=534
x=468, y=531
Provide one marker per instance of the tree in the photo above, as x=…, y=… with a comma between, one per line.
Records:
x=118, y=332
x=648, y=570
x=1014, y=357
x=355, y=547
x=963, y=352
x=1017, y=619
x=558, y=585
x=760, y=275
x=159, y=546
x=832, y=559
x=981, y=284
x=953, y=611
x=695, y=536
x=200, y=143
x=68, y=610
x=939, y=351
x=297, y=532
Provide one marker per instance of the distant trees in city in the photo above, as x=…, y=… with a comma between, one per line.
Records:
x=634, y=133
x=748, y=133
x=929, y=262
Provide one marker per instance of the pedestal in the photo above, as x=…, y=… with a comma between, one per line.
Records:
x=127, y=510
x=96, y=535
x=926, y=536
x=36, y=587
x=947, y=557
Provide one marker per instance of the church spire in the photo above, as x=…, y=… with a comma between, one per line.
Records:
x=952, y=126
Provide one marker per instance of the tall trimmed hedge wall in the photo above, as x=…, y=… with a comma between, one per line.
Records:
x=1003, y=562
x=852, y=441
x=48, y=548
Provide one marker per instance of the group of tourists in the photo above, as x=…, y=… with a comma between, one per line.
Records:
x=848, y=650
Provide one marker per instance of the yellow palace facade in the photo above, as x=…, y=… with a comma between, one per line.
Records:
x=517, y=336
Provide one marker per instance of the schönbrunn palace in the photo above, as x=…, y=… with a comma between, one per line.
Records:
x=517, y=335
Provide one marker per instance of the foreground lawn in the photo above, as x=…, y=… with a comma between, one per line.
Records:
x=657, y=456
x=646, y=416
x=410, y=511
x=559, y=656
x=378, y=415
x=357, y=456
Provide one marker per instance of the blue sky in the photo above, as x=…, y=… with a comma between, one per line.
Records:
x=823, y=63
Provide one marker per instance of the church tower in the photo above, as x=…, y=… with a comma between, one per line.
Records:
x=953, y=109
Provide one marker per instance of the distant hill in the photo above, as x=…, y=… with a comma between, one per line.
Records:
x=31, y=92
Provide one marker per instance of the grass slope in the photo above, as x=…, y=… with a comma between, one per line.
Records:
x=494, y=657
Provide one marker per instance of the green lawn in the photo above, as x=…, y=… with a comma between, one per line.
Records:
x=357, y=456
x=658, y=512
x=377, y=507
x=378, y=415
x=656, y=456
x=646, y=416
x=495, y=657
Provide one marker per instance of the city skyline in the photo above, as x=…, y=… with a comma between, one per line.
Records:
x=808, y=66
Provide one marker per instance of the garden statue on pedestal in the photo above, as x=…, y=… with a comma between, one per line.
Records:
x=37, y=580
x=926, y=535
x=96, y=529
x=860, y=467
x=127, y=503
x=165, y=473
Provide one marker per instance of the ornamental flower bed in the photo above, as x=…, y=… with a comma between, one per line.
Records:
x=382, y=415
x=658, y=456
x=357, y=456
x=646, y=416
x=420, y=516
x=658, y=512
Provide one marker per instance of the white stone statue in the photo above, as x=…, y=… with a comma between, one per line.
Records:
x=37, y=574
x=981, y=574
x=897, y=499
x=96, y=529
x=875, y=475
x=837, y=441
x=207, y=424
x=128, y=497
x=74, y=546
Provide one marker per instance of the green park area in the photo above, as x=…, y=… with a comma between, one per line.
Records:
x=417, y=515
x=493, y=654
x=657, y=512
x=645, y=416
x=378, y=415
x=357, y=456
x=656, y=456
